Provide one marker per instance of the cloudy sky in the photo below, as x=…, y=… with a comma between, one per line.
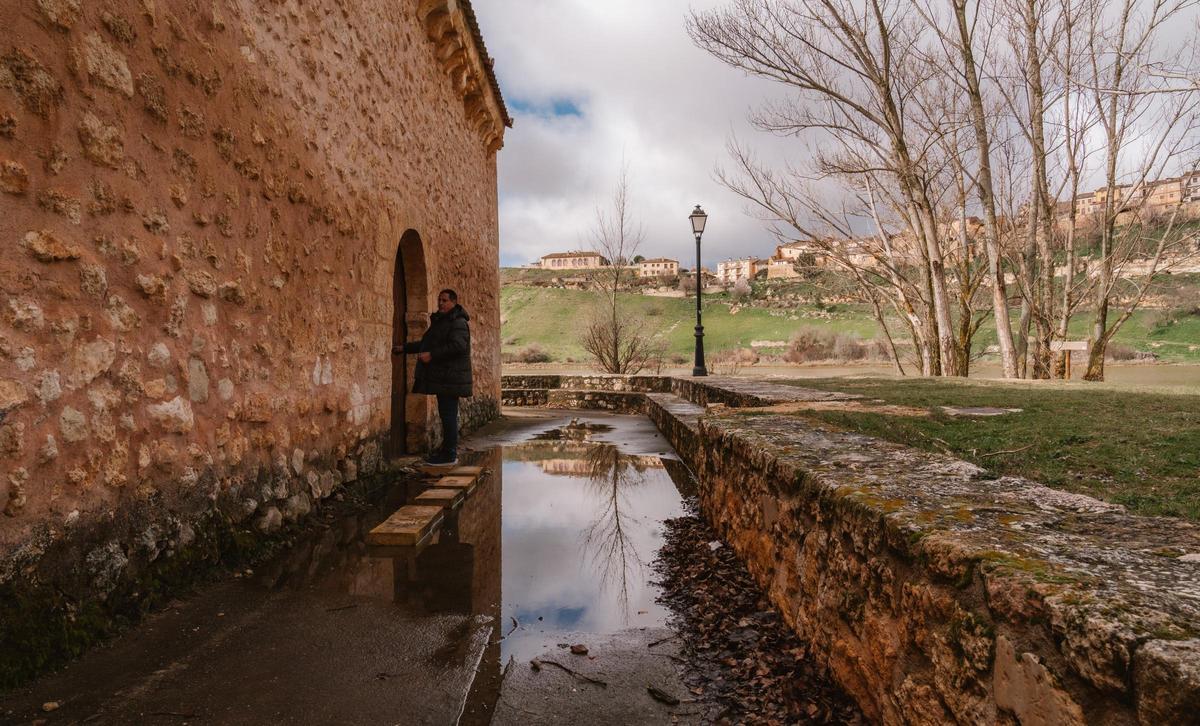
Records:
x=589, y=84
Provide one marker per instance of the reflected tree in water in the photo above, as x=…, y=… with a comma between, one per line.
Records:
x=610, y=476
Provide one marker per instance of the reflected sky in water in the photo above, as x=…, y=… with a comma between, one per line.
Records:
x=581, y=524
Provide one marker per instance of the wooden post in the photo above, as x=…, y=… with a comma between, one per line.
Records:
x=1066, y=346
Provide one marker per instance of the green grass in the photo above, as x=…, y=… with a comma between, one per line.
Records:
x=1137, y=449
x=554, y=318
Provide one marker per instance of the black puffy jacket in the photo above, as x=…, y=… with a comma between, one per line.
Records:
x=448, y=340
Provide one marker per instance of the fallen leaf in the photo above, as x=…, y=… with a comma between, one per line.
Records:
x=662, y=696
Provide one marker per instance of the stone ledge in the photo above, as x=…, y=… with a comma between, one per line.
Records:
x=742, y=392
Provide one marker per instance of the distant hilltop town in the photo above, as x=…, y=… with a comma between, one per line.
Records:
x=1152, y=199
x=1148, y=201
x=586, y=260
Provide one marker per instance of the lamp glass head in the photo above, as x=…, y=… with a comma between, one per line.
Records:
x=698, y=218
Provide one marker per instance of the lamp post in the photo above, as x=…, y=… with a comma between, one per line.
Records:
x=698, y=218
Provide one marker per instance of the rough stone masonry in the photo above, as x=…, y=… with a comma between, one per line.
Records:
x=203, y=203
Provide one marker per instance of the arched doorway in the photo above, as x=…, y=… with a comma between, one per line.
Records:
x=410, y=316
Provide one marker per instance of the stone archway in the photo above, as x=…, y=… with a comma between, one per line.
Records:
x=410, y=317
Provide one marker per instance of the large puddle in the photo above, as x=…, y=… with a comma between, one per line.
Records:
x=581, y=523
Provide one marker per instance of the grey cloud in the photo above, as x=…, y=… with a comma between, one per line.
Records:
x=650, y=98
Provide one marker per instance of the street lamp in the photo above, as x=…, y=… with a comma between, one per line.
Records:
x=698, y=218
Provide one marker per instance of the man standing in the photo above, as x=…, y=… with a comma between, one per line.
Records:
x=444, y=368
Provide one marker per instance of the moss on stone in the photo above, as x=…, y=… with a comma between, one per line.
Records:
x=43, y=626
x=1039, y=569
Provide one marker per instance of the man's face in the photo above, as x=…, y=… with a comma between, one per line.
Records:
x=445, y=304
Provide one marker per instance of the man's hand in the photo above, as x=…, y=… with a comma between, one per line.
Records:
x=425, y=357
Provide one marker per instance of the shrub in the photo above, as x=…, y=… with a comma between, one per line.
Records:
x=729, y=362
x=533, y=353
x=740, y=289
x=809, y=345
x=1118, y=351
x=846, y=347
x=813, y=345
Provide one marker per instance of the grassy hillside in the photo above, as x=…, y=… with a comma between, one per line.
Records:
x=554, y=317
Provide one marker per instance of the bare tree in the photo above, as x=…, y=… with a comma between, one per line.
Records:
x=927, y=112
x=855, y=65
x=962, y=45
x=617, y=340
x=1134, y=120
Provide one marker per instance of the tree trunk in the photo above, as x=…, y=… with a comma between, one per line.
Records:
x=986, y=196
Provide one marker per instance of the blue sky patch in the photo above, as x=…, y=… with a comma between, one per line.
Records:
x=549, y=108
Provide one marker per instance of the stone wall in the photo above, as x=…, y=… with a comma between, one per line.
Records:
x=587, y=382
x=938, y=593
x=202, y=207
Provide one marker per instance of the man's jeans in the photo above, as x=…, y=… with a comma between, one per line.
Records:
x=448, y=410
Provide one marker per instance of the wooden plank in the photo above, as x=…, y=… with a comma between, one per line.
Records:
x=1069, y=345
x=474, y=471
x=456, y=482
x=408, y=525
x=439, y=497
x=435, y=469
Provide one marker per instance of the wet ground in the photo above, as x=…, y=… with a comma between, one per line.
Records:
x=553, y=549
x=573, y=585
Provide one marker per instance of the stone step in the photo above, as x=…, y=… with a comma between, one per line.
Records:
x=464, y=484
x=444, y=497
x=409, y=525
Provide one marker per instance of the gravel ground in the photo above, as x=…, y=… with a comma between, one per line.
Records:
x=741, y=662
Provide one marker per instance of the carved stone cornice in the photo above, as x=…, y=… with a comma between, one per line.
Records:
x=458, y=45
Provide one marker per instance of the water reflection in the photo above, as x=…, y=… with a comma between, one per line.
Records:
x=553, y=541
x=581, y=519
x=607, y=541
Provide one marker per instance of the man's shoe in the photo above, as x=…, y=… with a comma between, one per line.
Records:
x=442, y=459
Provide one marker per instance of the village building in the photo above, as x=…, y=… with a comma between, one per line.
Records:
x=798, y=251
x=220, y=218
x=744, y=268
x=658, y=267
x=1154, y=199
x=790, y=256
x=573, y=261
x=781, y=268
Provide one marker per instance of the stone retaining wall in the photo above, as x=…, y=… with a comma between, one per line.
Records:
x=601, y=400
x=584, y=382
